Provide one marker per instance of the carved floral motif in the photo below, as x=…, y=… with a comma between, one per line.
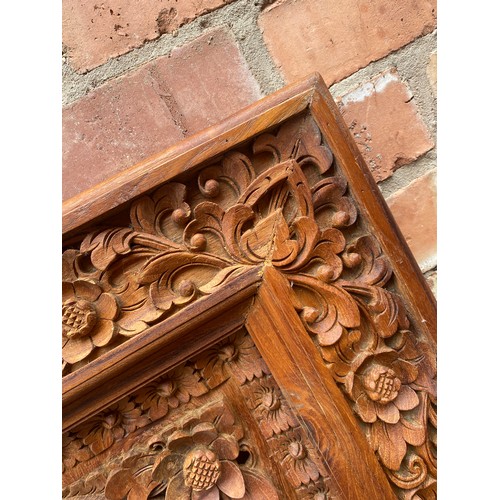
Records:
x=87, y=319
x=270, y=409
x=287, y=205
x=73, y=451
x=299, y=460
x=101, y=431
x=197, y=461
x=237, y=356
x=170, y=391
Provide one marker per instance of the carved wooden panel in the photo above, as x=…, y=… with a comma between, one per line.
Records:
x=243, y=319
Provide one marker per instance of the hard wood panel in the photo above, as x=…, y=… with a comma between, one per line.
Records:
x=142, y=359
x=270, y=219
x=306, y=383
x=421, y=300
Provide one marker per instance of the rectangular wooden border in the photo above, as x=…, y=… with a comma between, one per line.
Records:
x=248, y=299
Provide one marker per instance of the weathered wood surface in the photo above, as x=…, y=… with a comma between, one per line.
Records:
x=271, y=220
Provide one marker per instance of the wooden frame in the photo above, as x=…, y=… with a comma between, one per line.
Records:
x=269, y=223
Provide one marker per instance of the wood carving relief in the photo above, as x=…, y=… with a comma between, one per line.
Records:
x=209, y=453
x=280, y=200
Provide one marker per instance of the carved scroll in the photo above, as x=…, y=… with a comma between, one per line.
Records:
x=282, y=201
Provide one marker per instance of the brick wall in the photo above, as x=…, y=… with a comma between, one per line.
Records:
x=137, y=80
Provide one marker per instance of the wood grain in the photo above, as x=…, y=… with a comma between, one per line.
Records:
x=306, y=383
x=142, y=359
x=272, y=220
x=421, y=300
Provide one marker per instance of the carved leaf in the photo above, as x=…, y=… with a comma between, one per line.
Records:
x=384, y=308
x=149, y=212
x=236, y=171
x=328, y=197
x=388, y=440
x=369, y=265
x=326, y=309
x=257, y=486
x=104, y=247
x=299, y=138
x=412, y=473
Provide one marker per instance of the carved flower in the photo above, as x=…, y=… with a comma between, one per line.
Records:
x=381, y=388
x=73, y=451
x=271, y=410
x=197, y=462
x=298, y=460
x=88, y=316
x=101, y=431
x=239, y=354
x=170, y=391
x=318, y=492
x=199, y=465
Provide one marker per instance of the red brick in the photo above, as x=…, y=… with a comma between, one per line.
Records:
x=414, y=208
x=135, y=116
x=339, y=37
x=94, y=32
x=385, y=124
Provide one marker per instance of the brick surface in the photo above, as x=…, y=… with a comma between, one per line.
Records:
x=385, y=124
x=338, y=37
x=93, y=32
x=135, y=116
x=414, y=208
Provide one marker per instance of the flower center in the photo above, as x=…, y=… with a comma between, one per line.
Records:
x=270, y=400
x=381, y=384
x=296, y=450
x=110, y=420
x=320, y=495
x=166, y=388
x=78, y=318
x=229, y=353
x=201, y=469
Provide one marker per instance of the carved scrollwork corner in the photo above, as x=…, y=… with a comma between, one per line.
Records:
x=283, y=203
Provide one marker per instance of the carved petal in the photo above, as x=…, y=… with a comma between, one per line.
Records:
x=258, y=487
x=388, y=412
x=87, y=290
x=102, y=332
x=67, y=290
x=177, y=489
x=231, y=480
x=107, y=306
x=165, y=466
x=204, y=433
x=77, y=349
x=180, y=441
x=210, y=494
x=226, y=447
x=119, y=485
x=415, y=427
x=407, y=398
x=366, y=408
